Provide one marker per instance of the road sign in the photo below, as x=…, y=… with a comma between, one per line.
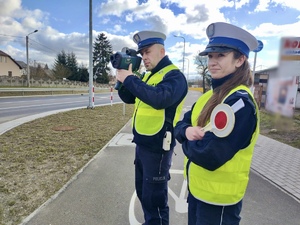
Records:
x=259, y=47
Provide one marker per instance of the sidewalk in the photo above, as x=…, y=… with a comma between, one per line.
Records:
x=279, y=163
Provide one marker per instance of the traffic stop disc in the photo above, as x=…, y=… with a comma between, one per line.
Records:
x=222, y=120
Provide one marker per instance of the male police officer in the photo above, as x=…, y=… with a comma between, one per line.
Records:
x=158, y=99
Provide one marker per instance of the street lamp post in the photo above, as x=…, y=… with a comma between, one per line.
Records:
x=27, y=57
x=183, y=54
x=188, y=71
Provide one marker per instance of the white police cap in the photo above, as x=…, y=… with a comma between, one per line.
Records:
x=224, y=37
x=145, y=39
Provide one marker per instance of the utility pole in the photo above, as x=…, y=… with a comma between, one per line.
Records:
x=91, y=85
x=27, y=57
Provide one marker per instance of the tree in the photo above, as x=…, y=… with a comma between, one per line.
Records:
x=101, y=58
x=73, y=67
x=38, y=73
x=202, y=66
x=66, y=66
x=84, y=73
x=60, y=68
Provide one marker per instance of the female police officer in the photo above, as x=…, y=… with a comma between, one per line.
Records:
x=158, y=99
x=217, y=168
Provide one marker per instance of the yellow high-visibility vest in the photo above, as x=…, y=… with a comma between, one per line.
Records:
x=147, y=120
x=227, y=184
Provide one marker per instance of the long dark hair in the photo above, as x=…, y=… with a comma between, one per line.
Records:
x=242, y=76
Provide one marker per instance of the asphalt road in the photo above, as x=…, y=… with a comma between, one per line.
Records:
x=12, y=108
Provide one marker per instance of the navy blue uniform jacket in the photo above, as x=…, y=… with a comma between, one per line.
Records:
x=165, y=95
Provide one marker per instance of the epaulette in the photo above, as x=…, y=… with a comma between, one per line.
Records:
x=243, y=95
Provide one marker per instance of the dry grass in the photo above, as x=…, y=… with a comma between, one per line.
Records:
x=280, y=128
x=39, y=157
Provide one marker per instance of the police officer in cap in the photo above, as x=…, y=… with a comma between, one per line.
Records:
x=217, y=168
x=158, y=99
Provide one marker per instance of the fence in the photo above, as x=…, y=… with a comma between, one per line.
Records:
x=6, y=81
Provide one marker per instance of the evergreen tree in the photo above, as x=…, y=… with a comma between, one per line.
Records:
x=60, y=68
x=101, y=58
x=84, y=73
x=73, y=67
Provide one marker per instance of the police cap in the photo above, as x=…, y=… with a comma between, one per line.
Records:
x=145, y=39
x=224, y=37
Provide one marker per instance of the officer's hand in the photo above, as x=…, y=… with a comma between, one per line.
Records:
x=122, y=74
x=194, y=133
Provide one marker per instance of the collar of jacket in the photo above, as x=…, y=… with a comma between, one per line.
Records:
x=165, y=61
x=218, y=82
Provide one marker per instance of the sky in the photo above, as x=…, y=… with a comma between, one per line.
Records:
x=64, y=25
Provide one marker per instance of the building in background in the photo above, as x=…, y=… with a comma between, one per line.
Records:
x=8, y=66
x=23, y=66
x=278, y=94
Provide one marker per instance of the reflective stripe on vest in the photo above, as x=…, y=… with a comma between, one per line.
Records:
x=146, y=119
x=227, y=184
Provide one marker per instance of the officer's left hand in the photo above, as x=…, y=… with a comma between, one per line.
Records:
x=122, y=74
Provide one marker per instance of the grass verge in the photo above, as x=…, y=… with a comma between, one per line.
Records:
x=39, y=157
x=280, y=128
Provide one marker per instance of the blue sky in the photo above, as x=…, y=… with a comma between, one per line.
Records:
x=64, y=25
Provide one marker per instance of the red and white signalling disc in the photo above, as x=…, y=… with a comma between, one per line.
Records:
x=222, y=121
x=222, y=118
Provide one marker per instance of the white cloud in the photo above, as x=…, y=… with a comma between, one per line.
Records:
x=116, y=7
x=264, y=5
x=272, y=30
x=8, y=8
x=118, y=28
x=193, y=21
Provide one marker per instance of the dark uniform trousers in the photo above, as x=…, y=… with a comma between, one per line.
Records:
x=201, y=213
x=151, y=183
